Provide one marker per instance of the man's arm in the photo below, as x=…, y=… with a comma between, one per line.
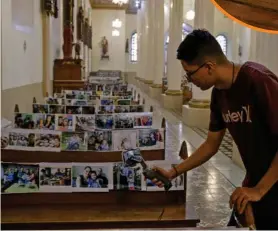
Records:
x=241, y=196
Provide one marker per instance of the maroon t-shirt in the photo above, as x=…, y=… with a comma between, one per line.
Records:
x=249, y=110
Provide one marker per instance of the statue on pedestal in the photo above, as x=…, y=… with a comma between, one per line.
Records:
x=68, y=42
x=104, y=46
x=77, y=49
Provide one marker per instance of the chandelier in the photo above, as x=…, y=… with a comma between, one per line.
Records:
x=117, y=23
x=120, y=2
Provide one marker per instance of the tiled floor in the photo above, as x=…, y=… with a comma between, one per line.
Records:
x=210, y=185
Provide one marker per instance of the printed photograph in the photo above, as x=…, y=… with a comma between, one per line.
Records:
x=88, y=110
x=109, y=87
x=123, y=121
x=75, y=94
x=100, y=87
x=137, y=108
x=65, y=122
x=57, y=109
x=124, y=139
x=104, y=121
x=123, y=102
x=106, y=109
x=77, y=102
x=92, y=177
x=106, y=93
x=100, y=141
x=73, y=110
x=19, y=178
x=4, y=138
x=143, y=120
x=53, y=101
x=74, y=141
x=122, y=109
x=85, y=123
x=126, y=178
x=24, y=121
x=22, y=140
x=55, y=177
x=177, y=183
x=48, y=141
x=40, y=108
x=45, y=122
x=106, y=102
x=151, y=139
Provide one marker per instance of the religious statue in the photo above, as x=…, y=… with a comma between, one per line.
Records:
x=127, y=46
x=80, y=21
x=77, y=49
x=104, y=46
x=68, y=42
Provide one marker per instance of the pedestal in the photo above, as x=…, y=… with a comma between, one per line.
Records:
x=155, y=92
x=196, y=117
x=172, y=101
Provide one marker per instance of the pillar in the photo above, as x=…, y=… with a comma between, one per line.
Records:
x=61, y=21
x=139, y=44
x=173, y=96
x=68, y=28
x=75, y=12
x=156, y=87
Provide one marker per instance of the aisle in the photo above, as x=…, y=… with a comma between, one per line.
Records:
x=210, y=185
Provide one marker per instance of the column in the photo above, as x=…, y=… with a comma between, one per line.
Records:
x=174, y=68
x=61, y=21
x=204, y=11
x=143, y=43
x=139, y=46
x=156, y=87
x=75, y=12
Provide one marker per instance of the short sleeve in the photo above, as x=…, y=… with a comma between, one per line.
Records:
x=216, y=120
x=266, y=90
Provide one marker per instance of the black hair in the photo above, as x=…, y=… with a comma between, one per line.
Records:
x=198, y=45
x=93, y=172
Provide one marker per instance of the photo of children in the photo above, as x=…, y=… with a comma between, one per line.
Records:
x=106, y=109
x=55, y=177
x=126, y=178
x=85, y=123
x=104, y=121
x=73, y=110
x=40, y=108
x=74, y=141
x=57, y=109
x=65, y=122
x=100, y=141
x=22, y=140
x=123, y=102
x=177, y=183
x=123, y=121
x=124, y=139
x=48, y=141
x=88, y=110
x=137, y=108
x=19, y=178
x=24, y=121
x=143, y=120
x=122, y=109
x=92, y=177
x=151, y=139
x=45, y=121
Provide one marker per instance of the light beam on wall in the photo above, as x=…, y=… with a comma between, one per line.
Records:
x=115, y=33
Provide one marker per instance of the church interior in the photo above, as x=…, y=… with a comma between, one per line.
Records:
x=53, y=50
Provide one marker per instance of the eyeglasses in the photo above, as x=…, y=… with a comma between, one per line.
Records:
x=189, y=74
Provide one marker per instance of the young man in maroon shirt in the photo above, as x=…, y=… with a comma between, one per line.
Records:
x=244, y=100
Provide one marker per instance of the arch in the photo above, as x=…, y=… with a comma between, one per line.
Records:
x=223, y=41
x=133, y=47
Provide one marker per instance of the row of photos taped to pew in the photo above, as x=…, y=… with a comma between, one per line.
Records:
x=79, y=177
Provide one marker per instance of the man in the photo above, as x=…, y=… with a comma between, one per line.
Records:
x=244, y=100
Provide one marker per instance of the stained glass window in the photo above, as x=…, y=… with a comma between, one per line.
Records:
x=134, y=48
x=222, y=40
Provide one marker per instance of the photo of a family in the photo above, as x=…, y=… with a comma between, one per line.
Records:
x=40, y=108
x=65, y=122
x=24, y=121
x=123, y=121
x=104, y=121
x=73, y=110
x=92, y=177
x=122, y=109
x=74, y=141
x=22, y=140
x=126, y=178
x=151, y=139
x=137, y=108
x=143, y=120
x=48, y=141
x=4, y=138
x=45, y=121
x=100, y=141
x=57, y=109
x=106, y=102
x=85, y=123
x=55, y=177
x=106, y=109
x=124, y=139
x=19, y=178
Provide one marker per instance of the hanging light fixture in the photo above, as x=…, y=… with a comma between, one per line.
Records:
x=117, y=23
x=120, y=2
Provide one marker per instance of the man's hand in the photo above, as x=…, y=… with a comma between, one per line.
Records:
x=241, y=196
x=168, y=174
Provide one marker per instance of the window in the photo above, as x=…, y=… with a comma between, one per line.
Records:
x=134, y=48
x=222, y=40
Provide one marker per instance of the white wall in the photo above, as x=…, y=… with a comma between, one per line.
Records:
x=131, y=26
x=102, y=26
x=21, y=67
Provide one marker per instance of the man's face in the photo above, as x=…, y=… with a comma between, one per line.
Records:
x=201, y=76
